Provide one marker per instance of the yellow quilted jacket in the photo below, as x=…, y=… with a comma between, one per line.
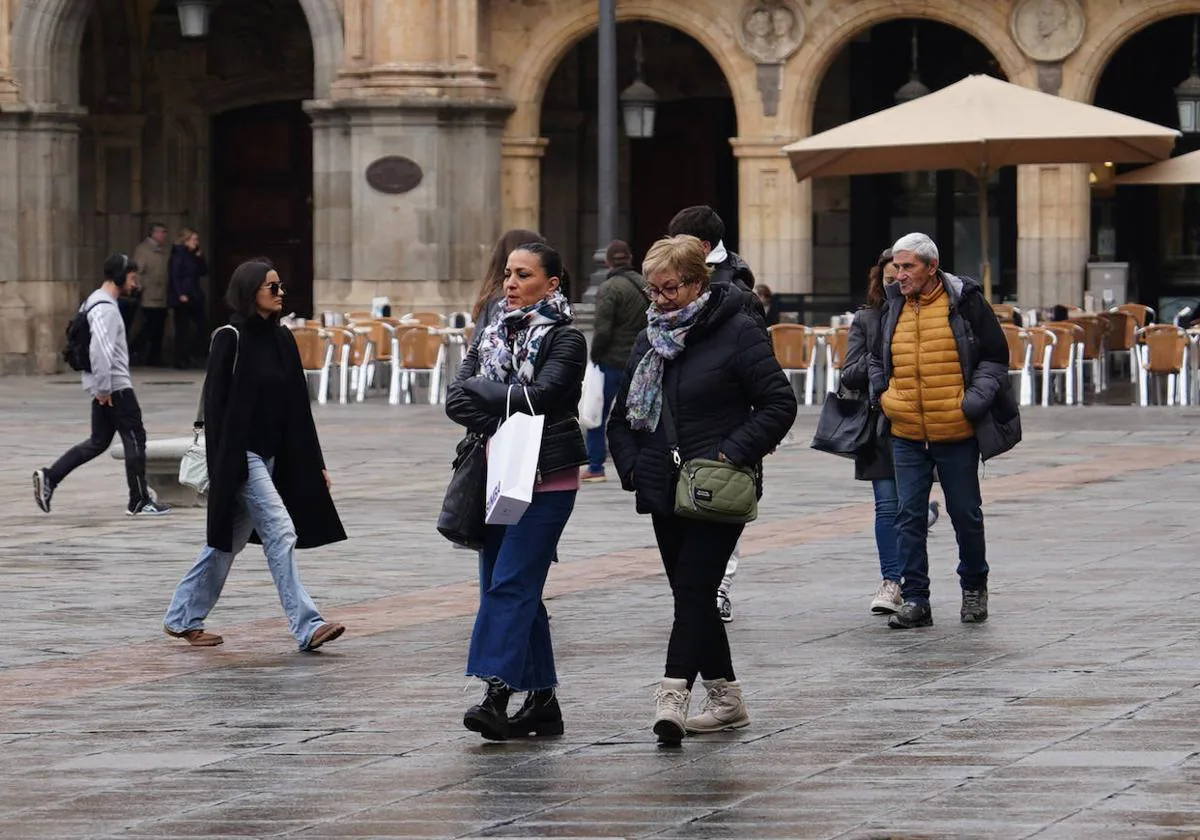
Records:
x=924, y=397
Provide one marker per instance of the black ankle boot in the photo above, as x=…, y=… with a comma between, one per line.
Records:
x=490, y=716
x=539, y=716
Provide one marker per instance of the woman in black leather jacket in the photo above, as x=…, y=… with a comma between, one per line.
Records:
x=531, y=360
x=710, y=364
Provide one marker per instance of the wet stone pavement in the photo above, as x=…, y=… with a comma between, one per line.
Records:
x=1072, y=713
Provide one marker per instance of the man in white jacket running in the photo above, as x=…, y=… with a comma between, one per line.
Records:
x=115, y=409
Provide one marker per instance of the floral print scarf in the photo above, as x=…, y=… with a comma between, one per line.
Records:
x=667, y=332
x=509, y=346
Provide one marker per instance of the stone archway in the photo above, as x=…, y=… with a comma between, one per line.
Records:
x=47, y=35
x=832, y=30
x=1114, y=31
x=554, y=37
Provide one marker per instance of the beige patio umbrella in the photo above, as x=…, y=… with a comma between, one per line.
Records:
x=1184, y=169
x=979, y=124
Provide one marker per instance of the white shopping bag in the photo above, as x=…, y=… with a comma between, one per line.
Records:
x=591, y=404
x=512, y=465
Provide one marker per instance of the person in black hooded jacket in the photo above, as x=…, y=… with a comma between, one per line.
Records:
x=709, y=367
x=267, y=476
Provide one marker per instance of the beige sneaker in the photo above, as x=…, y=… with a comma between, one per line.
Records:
x=671, y=705
x=887, y=598
x=722, y=709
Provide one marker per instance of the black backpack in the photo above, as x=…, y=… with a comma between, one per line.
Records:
x=78, y=352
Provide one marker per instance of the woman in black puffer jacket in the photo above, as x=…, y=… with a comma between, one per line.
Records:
x=713, y=367
x=531, y=360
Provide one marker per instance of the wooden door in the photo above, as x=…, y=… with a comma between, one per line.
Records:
x=688, y=161
x=262, y=198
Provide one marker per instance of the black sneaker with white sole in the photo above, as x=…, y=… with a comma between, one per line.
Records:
x=148, y=508
x=725, y=607
x=43, y=490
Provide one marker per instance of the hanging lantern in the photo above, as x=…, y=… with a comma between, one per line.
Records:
x=638, y=102
x=193, y=17
x=913, y=88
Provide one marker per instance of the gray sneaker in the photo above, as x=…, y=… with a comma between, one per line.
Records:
x=43, y=490
x=148, y=508
x=887, y=598
x=974, y=606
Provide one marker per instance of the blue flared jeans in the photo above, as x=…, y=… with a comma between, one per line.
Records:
x=261, y=510
x=511, y=639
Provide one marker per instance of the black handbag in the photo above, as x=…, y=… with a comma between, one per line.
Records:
x=461, y=519
x=846, y=426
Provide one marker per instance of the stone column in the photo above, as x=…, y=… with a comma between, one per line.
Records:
x=423, y=248
x=39, y=215
x=774, y=215
x=9, y=91
x=1054, y=234
x=521, y=181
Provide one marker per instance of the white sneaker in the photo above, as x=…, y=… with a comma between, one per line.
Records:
x=722, y=709
x=670, y=713
x=887, y=598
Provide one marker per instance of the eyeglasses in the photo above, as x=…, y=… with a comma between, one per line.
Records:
x=276, y=289
x=666, y=292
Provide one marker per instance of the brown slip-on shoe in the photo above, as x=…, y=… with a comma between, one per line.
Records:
x=196, y=638
x=324, y=633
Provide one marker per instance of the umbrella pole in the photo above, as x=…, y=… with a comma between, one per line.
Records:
x=984, y=262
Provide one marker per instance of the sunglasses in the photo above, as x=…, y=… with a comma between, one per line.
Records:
x=276, y=289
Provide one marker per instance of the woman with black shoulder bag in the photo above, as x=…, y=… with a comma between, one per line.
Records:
x=528, y=359
x=702, y=402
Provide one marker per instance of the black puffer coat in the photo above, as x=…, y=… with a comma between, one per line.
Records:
x=856, y=376
x=480, y=404
x=728, y=396
x=735, y=272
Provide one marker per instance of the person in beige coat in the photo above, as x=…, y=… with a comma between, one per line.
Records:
x=152, y=256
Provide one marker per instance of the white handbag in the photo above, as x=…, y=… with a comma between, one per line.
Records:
x=591, y=403
x=193, y=467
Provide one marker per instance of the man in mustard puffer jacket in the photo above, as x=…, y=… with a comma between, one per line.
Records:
x=943, y=361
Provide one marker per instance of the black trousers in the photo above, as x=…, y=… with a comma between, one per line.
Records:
x=189, y=326
x=123, y=417
x=149, y=341
x=694, y=554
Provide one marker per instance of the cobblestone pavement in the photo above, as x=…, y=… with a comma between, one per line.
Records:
x=1070, y=714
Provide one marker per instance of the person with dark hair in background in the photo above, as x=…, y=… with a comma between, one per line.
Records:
x=621, y=306
x=152, y=255
x=528, y=359
x=267, y=475
x=490, y=302
x=765, y=296
x=185, y=295
x=725, y=269
x=115, y=408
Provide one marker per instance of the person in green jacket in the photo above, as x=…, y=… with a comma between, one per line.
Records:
x=621, y=306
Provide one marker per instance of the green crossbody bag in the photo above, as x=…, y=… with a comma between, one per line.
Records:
x=713, y=491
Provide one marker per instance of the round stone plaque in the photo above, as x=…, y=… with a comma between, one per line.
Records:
x=394, y=174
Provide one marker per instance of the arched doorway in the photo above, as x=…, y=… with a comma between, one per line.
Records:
x=688, y=161
x=208, y=134
x=856, y=217
x=1154, y=229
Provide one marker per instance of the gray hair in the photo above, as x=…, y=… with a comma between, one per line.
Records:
x=919, y=244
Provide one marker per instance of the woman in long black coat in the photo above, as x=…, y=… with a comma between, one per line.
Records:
x=706, y=364
x=267, y=476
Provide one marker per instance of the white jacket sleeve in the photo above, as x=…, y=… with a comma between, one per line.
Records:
x=104, y=320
